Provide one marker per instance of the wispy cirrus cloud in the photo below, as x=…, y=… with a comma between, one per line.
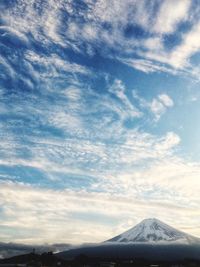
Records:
x=129, y=27
x=158, y=105
x=169, y=16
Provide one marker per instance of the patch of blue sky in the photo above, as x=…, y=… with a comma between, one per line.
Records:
x=74, y=181
x=24, y=174
x=22, y=127
x=48, y=131
x=190, y=129
x=52, y=180
x=147, y=85
x=1, y=211
x=132, y=123
x=93, y=217
x=11, y=39
x=135, y=31
x=107, y=26
x=170, y=41
x=173, y=40
x=195, y=60
x=39, y=6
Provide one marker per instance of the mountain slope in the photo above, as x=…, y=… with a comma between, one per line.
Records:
x=152, y=230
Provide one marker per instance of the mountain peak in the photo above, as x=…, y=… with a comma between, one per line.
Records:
x=150, y=220
x=151, y=230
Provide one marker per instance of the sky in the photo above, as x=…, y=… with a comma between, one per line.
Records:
x=99, y=117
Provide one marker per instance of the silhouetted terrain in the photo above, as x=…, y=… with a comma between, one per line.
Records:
x=12, y=249
x=82, y=260
x=33, y=259
x=131, y=251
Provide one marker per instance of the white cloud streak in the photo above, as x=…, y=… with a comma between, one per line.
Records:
x=158, y=106
x=170, y=14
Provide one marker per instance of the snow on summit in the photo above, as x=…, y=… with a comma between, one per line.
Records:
x=152, y=230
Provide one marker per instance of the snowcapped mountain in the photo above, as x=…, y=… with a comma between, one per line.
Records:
x=153, y=230
x=151, y=239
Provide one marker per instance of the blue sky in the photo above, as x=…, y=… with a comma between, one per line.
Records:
x=99, y=117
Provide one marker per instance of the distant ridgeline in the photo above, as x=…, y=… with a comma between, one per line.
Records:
x=8, y=250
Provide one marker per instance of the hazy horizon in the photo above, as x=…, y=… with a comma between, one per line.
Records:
x=99, y=118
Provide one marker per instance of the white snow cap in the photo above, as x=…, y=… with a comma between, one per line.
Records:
x=152, y=230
